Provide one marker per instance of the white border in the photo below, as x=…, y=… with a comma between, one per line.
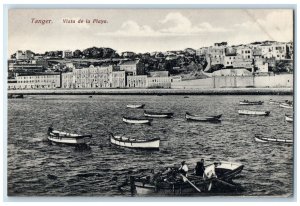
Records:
x=255, y=3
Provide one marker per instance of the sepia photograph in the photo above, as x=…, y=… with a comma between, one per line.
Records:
x=148, y=102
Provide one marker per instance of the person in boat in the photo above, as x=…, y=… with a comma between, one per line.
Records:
x=50, y=129
x=199, y=169
x=210, y=171
x=183, y=168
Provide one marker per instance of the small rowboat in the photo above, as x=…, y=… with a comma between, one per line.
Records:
x=135, y=106
x=259, y=138
x=289, y=118
x=191, y=117
x=152, y=144
x=134, y=120
x=225, y=171
x=258, y=113
x=158, y=114
x=286, y=105
x=246, y=102
x=66, y=138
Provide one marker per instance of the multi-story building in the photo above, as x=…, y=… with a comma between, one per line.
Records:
x=159, y=82
x=276, y=50
x=118, y=79
x=216, y=54
x=67, y=54
x=139, y=81
x=68, y=80
x=228, y=61
x=245, y=52
x=240, y=62
x=290, y=50
x=202, y=51
x=37, y=81
x=93, y=77
x=24, y=55
x=132, y=68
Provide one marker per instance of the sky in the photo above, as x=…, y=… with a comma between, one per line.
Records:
x=144, y=30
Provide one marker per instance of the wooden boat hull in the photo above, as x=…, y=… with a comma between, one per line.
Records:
x=226, y=171
x=158, y=114
x=251, y=103
x=135, y=106
x=152, y=144
x=184, y=188
x=256, y=113
x=289, y=118
x=68, y=141
x=67, y=138
x=190, y=117
x=136, y=121
x=274, y=140
x=286, y=106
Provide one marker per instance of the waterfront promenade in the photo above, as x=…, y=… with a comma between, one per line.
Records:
x=218, y=91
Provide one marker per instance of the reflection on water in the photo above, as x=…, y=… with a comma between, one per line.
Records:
x=37, y=168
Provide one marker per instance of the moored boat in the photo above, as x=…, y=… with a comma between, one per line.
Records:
x=289, y=118
x=246, y=102
x=259, y=138
x=134, y=120
x=215, y=118
x=66, y=138
x=135, y=106
x=151, y=144
x=258, y=113
x=15, y=96
x=286, y=105
x=172, y=184
x=158, y=114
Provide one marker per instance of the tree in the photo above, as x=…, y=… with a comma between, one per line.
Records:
x=77, y=53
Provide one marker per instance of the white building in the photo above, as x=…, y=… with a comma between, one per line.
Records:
x=67, y=54
x=37, y=81
x=159, y=82
x=139, y=81
x=228, y=61
x=245, y=52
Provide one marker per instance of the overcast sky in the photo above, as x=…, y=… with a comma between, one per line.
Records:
x=145, y=30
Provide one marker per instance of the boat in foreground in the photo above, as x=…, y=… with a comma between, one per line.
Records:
x=151, y=144
x=259, y=138
x=135, y=106
x=258, y=113
x=246, y=102
x=158, y=114
x=134, y=120
x=199, y=118
x=225, y=172
x=286, y=105
x=66, y=138
x=289, y=118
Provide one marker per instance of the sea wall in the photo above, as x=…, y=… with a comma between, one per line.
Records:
x=269, y=81
x=216, y=91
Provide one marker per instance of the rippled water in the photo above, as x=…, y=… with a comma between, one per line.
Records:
x=37, y=168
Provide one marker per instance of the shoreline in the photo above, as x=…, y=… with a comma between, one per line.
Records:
x=140, y=91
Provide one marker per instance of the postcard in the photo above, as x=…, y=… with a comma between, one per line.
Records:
x=150, y=102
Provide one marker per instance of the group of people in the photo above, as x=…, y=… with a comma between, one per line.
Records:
x=171, y=174
x=200, y=169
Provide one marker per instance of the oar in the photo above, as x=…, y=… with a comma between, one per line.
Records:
x=187, y=180
x=224, y=182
